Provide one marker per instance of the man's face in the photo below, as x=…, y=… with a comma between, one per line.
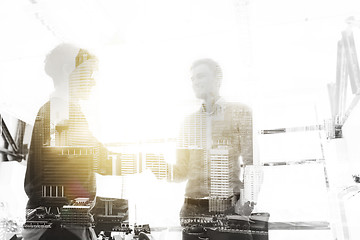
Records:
x=204, y=81
x=89, y=83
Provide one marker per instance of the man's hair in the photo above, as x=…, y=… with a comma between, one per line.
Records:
x=212, y=65
x=63, y=54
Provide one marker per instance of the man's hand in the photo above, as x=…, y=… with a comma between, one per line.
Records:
x=246, y=209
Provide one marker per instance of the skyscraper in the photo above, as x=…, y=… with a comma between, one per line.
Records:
x=158, y=166
x=67, y=172
x=215, y=143
x=40, y=138
x=61, y=133
x=127, y=164
x=253, y=178
x=220, y=173
x=80, y=83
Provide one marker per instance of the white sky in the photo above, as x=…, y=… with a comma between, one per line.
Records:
x=282, y=53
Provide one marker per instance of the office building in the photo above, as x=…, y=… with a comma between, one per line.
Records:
x=127, y=164
x=80, y=83
x=68, y=172
x=158, y=166
x=253, y=178
x=62, y=133
x=220, y=173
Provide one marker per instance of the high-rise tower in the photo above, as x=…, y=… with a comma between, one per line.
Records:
x=158, y=166
x=80, y=83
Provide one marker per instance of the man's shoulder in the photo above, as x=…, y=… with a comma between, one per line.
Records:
x=43, y=109
x=237, y=107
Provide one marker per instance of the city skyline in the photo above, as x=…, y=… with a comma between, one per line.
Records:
x=136, y=160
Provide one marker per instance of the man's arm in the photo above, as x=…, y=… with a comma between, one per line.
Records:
x=246, y=135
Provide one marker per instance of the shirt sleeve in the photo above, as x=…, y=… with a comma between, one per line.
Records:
x=246, y=136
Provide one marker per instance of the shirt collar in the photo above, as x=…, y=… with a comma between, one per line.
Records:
x=219, y=105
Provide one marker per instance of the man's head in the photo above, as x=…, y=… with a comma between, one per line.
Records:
x=83, y=79
x=206, y=76
x=68, y=65
x=60, y=62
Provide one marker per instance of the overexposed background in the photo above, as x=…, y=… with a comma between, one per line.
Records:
x=277, y=56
